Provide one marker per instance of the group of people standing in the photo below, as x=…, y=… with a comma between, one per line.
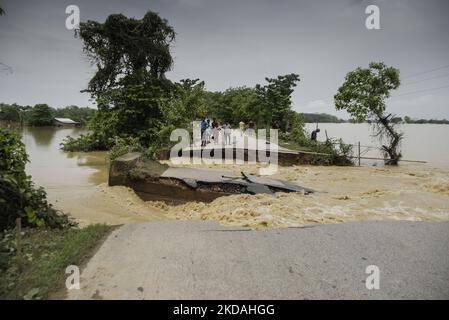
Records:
x=211, y=131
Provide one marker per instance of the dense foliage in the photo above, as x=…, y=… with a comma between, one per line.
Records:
x=363, y=96
x=18, y=195
x=233, y=105
x=129, y=86
x=85, y=143
x=275, y=101
x=11, y=112
x=138, y=107
x=41, y=115
x=136, y=100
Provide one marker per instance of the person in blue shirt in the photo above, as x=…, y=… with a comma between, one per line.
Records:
x=204, y=126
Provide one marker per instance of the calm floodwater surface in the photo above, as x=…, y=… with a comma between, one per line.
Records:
x=426, y=142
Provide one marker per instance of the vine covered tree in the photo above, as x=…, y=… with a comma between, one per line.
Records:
x=132, y=57
x=363, y=96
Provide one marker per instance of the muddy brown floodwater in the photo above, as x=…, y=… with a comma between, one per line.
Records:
x=76, y=184
x=75, y=181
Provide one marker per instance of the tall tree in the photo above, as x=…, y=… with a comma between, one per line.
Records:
x=234, y=105
x=275, y=100
x=186, y=104
x=132, y=57
x=363, y=96
x=41, y=115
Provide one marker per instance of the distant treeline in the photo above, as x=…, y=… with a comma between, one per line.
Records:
x=328, y=118
x=321, y=118
x=420, y=121
x=43, y=114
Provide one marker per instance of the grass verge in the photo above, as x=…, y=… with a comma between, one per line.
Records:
x=45, y=255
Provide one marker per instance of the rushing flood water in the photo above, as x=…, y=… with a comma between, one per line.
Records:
x=76, y=184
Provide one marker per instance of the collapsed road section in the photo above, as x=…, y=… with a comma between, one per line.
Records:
x=152, y=180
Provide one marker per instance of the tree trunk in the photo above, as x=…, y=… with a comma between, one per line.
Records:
x=394, y=138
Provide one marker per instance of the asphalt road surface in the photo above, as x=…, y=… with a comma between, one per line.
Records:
x=203, y=260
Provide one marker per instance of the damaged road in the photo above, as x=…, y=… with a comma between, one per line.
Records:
x=201, y=260
x=154, y=181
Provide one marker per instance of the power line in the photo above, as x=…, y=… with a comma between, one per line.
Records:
x=419, y=91
x=431, y=78
x=6, y=68
x=414, y=92
x=425, y=71
x=406, y=77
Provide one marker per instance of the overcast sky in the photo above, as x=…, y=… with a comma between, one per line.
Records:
x=239, y=43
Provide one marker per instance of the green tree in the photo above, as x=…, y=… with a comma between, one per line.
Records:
x=275, y=100
x=363, y=96
x=186, y=104
x=10, y=112
x=132, y=57
x=234, y=105
x=41, y=115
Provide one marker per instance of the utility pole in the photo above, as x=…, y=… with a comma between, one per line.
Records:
x=359, y=152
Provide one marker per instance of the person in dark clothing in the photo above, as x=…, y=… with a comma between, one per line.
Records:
x=215, y=129
x=314, y=134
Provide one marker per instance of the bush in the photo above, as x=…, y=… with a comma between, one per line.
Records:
x=125, y=145
x=334, y=152
x=84, y=143
x=18, y=195
x=337, y=152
